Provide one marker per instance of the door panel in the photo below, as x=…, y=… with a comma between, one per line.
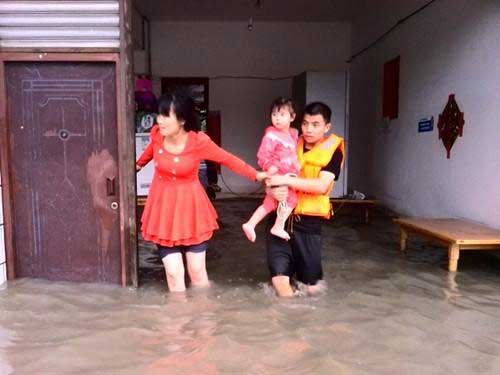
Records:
x=63, y=140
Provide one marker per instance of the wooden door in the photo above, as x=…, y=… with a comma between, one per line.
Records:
x=62, y=120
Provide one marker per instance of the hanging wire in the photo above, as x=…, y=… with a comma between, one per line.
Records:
x=401, y=21
x=261, y=78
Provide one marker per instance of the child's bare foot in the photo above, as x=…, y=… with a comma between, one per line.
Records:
x=249, y=231
x=278, y=232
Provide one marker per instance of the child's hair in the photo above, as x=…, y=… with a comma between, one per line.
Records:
x=319, y=108
x=183, y=107
x=281, y=102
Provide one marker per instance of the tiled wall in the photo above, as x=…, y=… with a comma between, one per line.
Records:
x=3, y=266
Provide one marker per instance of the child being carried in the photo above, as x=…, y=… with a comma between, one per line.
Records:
x=277, y=155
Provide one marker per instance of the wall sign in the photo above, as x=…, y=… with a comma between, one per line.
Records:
x=426, y=124
x=145, y=175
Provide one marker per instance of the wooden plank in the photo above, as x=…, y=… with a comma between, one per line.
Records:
x=8, y=217
x=458, y=231
x=479, y=247
x=126, y=148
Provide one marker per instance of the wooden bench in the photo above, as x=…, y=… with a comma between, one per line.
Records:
x=364, y=204
x=456, y=234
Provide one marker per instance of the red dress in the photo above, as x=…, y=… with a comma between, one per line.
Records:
x=178, y=211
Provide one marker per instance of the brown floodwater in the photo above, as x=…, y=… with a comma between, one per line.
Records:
x=381, y=313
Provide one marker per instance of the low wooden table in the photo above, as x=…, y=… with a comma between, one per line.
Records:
x=364, y=204
x=456, y=234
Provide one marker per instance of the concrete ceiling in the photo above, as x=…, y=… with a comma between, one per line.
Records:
x=241, y=10
x=372, y=17
x=352, y=11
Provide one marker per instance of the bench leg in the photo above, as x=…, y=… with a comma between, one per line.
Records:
x=403, y=237
x=367, y=215
x=453, y=255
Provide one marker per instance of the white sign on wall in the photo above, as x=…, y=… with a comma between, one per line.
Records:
x=145, y=175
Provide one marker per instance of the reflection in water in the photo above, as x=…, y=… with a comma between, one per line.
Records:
x=382, y=313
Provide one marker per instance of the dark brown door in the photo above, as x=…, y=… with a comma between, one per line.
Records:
x=63, y=146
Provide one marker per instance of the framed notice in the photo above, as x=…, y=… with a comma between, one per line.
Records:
x=426, y=124
x=145, y=175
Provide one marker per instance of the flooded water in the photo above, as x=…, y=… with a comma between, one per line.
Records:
x=382, y=313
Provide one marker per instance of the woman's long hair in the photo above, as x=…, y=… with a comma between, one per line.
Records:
x=183, y=107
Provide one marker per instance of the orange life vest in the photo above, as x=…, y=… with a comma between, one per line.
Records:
x=311, y=162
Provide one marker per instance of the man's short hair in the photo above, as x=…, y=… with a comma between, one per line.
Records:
x=319, y=108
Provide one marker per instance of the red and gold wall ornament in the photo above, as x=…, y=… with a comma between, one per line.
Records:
x=451, y=123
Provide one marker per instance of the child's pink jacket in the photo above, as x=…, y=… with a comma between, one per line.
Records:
x=279, y=148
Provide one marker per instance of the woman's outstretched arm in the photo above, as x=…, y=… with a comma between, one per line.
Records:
x=211, y=151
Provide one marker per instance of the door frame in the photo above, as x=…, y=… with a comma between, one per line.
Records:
x=126, y=157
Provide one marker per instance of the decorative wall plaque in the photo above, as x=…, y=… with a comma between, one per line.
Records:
x=450, y=124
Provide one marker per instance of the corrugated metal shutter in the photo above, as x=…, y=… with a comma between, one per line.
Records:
x=64, y=24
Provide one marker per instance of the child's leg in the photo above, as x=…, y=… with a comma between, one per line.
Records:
x=283, y=213
x=260, y=213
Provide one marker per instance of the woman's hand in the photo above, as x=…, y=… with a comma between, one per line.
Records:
x=279, y=193
x=277, y=180
x=137, y=168
x=261, y=176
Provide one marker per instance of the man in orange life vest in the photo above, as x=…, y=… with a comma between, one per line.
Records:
x=320, y=157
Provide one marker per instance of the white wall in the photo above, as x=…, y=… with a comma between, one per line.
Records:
x=228, y=49
x=330, y=89
x=451, y=47
x=372, y=18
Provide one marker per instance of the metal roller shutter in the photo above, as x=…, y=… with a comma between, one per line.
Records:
x=59, y=24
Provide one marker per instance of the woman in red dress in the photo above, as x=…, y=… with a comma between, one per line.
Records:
x=178, y=215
